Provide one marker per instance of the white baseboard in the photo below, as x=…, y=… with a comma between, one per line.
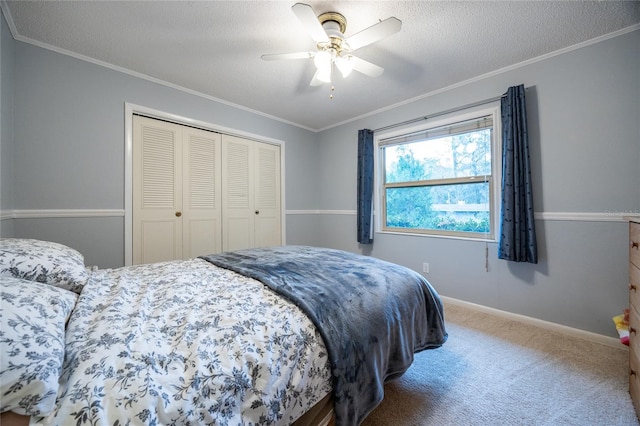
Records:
x=575, y=332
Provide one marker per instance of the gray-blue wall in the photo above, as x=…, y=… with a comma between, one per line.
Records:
x=63, y=148
x=6, y=125
x=67, y=146
x=584, y=122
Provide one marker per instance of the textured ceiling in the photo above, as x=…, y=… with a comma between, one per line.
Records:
x=214, y=47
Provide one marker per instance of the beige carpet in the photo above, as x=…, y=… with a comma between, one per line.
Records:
x=494, y=371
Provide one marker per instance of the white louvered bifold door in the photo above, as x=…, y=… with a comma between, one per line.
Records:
x=176, y=191
x=157, y=191
x=237, y=190
x=267, y=217
x=251, y=194
x=202, y=213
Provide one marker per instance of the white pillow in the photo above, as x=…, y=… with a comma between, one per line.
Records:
x=32, y=341
x=44, y=262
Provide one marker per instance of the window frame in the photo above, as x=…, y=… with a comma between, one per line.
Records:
x=495, y=181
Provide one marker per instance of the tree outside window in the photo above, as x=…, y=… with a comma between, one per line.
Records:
x=439, y=181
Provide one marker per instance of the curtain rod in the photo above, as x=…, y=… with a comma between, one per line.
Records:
x=438, y=114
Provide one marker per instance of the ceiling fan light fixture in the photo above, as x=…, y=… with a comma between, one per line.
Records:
x=345, y=65
x=322, y=60
x=324, y=74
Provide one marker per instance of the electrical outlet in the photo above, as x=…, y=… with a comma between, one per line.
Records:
x=425, y=268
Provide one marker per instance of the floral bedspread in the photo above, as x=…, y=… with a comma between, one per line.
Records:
x=186, y=342
x=373, y=315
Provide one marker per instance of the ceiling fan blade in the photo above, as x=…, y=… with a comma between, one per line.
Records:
x=366, y=67
x=310, y=21
x=279, y=56
x=374, y=33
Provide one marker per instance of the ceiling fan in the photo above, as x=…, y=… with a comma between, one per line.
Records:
x=332, y=47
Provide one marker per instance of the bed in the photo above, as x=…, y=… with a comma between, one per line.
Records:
x=268, y=336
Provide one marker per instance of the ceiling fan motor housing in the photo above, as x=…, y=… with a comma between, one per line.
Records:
x=334, y=25
x=334, y=17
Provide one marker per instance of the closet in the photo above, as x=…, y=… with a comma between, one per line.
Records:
x=199, y=192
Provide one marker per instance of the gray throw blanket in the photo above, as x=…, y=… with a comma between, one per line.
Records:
x=373, y=315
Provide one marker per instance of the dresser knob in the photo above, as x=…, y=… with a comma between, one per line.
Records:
x=632, y=330
x=634, y=244
x=632, y=373
x=178, y=214
x=632, y=287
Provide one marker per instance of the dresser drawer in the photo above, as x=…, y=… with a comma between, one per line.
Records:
x=634, y=285
x=634, y=331
x=634, y=243
x=634, y=381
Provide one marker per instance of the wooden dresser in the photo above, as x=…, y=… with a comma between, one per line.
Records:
x=634, y=311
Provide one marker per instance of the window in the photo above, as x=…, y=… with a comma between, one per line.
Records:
x=441, y=178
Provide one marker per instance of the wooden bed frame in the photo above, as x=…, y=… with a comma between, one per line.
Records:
x=320, y=414
x=9, y=418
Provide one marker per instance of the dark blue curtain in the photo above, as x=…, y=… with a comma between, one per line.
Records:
x=517, y=228
x=365, y=186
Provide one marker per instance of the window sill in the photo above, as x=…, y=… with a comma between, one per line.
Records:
x=449, y=237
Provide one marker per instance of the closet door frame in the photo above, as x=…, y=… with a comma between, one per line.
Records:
x=130, y=110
